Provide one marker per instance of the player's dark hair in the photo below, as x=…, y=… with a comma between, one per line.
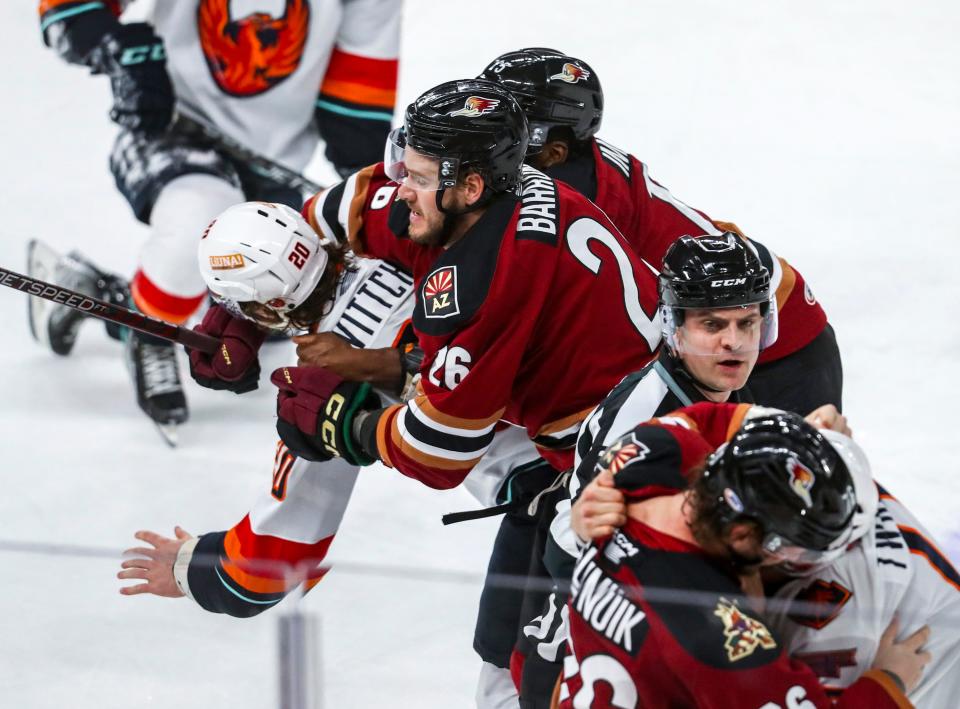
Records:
x=707, y=519
x=575, y=147
x=318, y=303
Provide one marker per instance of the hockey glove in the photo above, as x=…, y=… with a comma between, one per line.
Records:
x=234, y=366
x=132, y=55
x=315, y=410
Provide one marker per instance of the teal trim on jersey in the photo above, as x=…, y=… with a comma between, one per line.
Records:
x=353, y=112
x=672, y=384
x=64, y=14
x=240, y=596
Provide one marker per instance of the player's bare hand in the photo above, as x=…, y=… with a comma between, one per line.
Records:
x=380, y=367
x=827, y=416
x=600, y=509
x=906, y=658
x=153, y=565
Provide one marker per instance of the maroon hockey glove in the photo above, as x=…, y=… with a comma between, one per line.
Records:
x=315, y=410
x=234, y=366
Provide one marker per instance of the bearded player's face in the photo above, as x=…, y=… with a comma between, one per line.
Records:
x=419, y=191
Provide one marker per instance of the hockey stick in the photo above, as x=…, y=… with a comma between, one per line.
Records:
x=107, y=311
x=188, y=122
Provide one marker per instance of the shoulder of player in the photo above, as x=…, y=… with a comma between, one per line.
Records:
x=701, y=607
x=617, y=161
x=341, y=210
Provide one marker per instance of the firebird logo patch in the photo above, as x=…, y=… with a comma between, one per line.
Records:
x=625, y=451
x=476, y=106
x=440, y=293
x=819, y=604
x=250, y=55
x=571, y=73
x=743, y=634
x=801, y=480
x=226, y=262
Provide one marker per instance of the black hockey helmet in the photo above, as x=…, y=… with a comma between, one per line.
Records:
x=553, y=89
x=468, y=124
x=780, y=472
x=713, y=272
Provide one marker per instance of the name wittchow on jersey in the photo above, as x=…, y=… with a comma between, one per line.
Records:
x=366, y=299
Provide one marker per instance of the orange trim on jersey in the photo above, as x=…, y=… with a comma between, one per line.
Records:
x=434, y=414
x=400, y=331
x=921, y=552
x=353, y=92
x=257, y=584
x=891, y=688
x=386, y=420
x=736, y=420
x=787, y=282
x=369, y=71
x=425, y=459
x=46, y=6
x=157, y=303
x=564, y=423
x=355, y=213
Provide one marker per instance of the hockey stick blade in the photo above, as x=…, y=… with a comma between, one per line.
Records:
x=187, y=120
x=107, y=311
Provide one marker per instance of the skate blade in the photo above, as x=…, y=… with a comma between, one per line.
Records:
x=169, y=432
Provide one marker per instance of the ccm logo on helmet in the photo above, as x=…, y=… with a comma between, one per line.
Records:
x=727, y=282
x=226, y=262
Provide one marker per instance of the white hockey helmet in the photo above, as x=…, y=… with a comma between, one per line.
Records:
x=264, y=253
x=868, y=497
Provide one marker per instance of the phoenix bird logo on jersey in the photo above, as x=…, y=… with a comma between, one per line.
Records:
x=251, y=55
x=571, y=73
x=476, y=106
x=440, y=293
x=819, y=604
x=801, y=480
x=743, y=634
x=625, y=451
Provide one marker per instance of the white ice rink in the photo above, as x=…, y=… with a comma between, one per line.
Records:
x=828, y=130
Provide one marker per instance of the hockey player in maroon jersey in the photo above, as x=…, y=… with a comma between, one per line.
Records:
x=563, y=100
x=520, y=280
x=657, y=614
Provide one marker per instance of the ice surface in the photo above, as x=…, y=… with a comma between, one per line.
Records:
x=829, y=131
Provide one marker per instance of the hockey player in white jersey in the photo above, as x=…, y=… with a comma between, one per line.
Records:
x=273, y=75
x=269, y=270
x=833, y=617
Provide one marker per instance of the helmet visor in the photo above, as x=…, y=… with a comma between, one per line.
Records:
x=796, y=559
x=719, y=332
x=414, y=171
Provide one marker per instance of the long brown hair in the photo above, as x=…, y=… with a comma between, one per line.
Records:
x=319, y=303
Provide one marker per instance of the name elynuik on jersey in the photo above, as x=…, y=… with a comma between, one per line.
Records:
x=372, y=304
x=601, y=602
x=538, y=207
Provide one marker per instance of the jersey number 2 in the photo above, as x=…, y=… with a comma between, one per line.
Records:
x=579, y=236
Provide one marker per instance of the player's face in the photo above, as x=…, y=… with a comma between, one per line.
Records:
x=720, y=347
x=426, y=220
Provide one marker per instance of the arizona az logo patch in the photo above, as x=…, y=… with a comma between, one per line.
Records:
x=743, y=634
x=440, y=293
